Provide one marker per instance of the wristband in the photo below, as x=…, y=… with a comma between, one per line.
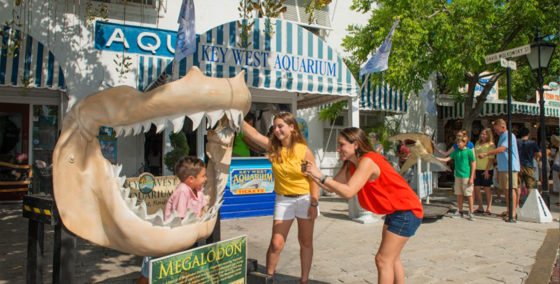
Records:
x=314, y=204
x=323, y=179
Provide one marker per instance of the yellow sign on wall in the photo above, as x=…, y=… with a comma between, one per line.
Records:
x=153, y=190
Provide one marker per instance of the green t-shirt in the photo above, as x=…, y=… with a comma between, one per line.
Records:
x=240, y=148
x=462, y=159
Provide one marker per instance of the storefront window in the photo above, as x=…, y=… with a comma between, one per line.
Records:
x=10, y=135
x=45, y=132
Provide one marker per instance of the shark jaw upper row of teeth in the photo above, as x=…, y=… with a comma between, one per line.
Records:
x=235, y=117
x=157, y=219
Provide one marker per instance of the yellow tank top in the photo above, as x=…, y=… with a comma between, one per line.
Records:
x=288, y=178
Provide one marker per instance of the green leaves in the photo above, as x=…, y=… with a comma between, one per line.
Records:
x=451, y=38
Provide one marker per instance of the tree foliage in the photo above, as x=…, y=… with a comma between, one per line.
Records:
x=452, y=37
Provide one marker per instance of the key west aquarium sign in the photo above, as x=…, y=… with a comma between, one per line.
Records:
x=251, y=181
x=266, y=60
x=134, y=39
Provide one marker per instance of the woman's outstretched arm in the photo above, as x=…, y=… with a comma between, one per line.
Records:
x=259, y=139
x=366, y=168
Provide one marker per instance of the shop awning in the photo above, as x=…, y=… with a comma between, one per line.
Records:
x=499, y=107
x=152, y=71
x=291, y=59
x=31, y=64
x=381, y=97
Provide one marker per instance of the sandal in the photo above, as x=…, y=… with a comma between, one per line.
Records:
x=487, y=213
x=503, y=214
x=480, y=211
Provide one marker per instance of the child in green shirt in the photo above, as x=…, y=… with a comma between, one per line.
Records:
x=465, y=165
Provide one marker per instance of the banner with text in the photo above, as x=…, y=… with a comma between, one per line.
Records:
x=251, y=181
x=221, y=262
x=153, y=190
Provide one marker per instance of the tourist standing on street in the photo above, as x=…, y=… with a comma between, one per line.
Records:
x=556, y=166
x=380, y=189
x=377, y=147
x=502, y=157
x=528, y=150
x=296, y=194
x=484, y=171
x=460, y=133
x=465, y=165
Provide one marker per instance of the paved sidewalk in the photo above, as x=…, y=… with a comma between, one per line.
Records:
x=448, y=250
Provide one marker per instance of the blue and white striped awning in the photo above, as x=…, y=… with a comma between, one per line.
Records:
x=381, y=97
x=292, y=59
x=499, y=107
x=31, y=64
x=150, y=68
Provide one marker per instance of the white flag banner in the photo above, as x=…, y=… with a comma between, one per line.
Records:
x=380, y=60
x=186, y=35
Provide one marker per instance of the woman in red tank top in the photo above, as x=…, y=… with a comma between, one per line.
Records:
x=380, y=189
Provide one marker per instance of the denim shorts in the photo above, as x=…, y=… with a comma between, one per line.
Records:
x=402, y=223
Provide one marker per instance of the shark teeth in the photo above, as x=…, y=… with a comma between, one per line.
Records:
x=178, y=123
x=139, y=207
x=234, y=116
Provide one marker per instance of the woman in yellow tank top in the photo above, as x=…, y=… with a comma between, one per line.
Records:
x=296, y=194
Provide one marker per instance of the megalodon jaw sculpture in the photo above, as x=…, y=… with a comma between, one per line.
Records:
x=88, y=190
x=422, y=148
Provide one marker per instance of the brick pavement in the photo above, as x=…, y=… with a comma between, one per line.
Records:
x=487, y=250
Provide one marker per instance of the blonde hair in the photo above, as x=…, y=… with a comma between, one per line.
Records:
x=188, y=166
x=295, y=137
x=488, y=134
x=463, y=139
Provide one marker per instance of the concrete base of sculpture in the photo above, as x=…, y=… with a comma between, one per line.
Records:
x=358, y=214
x=534, y=209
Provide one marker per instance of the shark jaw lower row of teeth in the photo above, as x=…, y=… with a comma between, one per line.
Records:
x=157, y=219
x=235, y=117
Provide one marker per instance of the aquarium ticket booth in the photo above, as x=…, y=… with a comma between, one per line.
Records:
x=287, y=68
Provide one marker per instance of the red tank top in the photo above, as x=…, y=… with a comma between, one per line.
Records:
x=389, y=192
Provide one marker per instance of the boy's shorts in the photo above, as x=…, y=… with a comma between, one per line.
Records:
x=288, y=208
x=461, y=187
x=503, y=180
x=402, y=223
x=146, y=266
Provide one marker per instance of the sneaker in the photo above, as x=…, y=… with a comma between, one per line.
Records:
x=457, y=215
x=471, y=216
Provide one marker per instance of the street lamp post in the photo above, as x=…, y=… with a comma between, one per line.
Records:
x=539, y=58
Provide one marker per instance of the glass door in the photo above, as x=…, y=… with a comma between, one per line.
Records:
x=45, y=132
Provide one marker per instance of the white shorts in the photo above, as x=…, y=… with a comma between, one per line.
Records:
x=288, y=208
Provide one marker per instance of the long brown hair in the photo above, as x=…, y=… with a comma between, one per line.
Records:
x=354, y=134
x=295, y=137
x=488, y=134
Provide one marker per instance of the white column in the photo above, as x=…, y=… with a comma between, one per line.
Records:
x=200, y=133
x=355, y=211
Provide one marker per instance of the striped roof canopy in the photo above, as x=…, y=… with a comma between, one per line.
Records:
x=30, y=64
x=290, y=59
x=377, y=96
x=499, y=107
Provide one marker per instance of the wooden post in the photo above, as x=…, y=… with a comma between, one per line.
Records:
x=35, y=242
x=64, y=255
